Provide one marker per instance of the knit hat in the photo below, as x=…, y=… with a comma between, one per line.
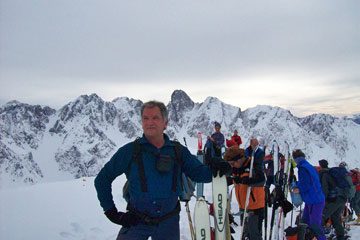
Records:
x=297, y=155
x=323, y=163
x=217, y=124
x=234, y=153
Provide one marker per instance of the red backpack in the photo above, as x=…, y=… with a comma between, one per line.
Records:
x=355, y=176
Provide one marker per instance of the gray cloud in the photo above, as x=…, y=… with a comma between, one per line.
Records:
x=67, y=43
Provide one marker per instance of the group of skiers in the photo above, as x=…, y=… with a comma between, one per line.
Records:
x=154, y=182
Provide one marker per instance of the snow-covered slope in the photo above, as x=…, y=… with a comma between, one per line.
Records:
x=69, y=210
x=41, y=144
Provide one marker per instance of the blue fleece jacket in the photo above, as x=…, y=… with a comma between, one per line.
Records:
x=159, y=198
x=309, y=182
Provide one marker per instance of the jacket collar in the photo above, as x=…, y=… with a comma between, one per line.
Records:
x=144, y=140
x=300, y=161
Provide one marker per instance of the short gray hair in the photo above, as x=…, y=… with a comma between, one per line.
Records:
x=160, y=105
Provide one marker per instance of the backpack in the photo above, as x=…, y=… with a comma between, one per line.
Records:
x=344, y=184
x=187, y=186
x=355, y=175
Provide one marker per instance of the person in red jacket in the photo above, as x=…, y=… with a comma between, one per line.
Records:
x=236, y=138
x=234, y=141
x=355, y=201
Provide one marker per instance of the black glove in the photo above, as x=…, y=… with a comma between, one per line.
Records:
x=221, y=166
x=286, y=206
x=125, y=219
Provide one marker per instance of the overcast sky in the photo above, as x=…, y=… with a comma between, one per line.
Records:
x=303, y=56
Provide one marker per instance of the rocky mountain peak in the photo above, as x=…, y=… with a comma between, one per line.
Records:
x=24, y=124
x=85, y=133
x=178, y=106
x=180, y=100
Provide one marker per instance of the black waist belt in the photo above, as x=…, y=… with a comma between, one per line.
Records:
x=154, y=221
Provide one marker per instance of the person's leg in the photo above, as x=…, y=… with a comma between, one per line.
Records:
x=141, y=232
x=315, y=220
x=252, y=226
x=336, y=218
x=329, y=209
x=305, y=218
x=261, y=213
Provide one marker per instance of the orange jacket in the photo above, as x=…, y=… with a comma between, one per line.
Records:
x=257, y=194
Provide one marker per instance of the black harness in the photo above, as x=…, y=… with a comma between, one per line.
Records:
x=137, y=158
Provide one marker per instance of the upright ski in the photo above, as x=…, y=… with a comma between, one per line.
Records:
x=275, y=210
x=219, y=187
x=202, y=220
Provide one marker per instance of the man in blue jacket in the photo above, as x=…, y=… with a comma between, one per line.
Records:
x=311, y=193
x=154, y=180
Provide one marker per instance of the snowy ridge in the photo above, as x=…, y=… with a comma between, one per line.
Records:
x=356, y=118
x=40, y=144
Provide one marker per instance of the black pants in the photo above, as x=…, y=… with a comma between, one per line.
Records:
x=253, y=224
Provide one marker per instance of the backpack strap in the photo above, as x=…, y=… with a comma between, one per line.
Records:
x=178, y=161
x=137, y=157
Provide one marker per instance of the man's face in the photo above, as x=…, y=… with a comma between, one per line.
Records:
x=153, y=123
x=217, y=129
x=254, y=143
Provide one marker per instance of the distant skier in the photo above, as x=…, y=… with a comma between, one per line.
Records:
x=154, y=180
x=237, y=138
x=311, y=193
x=241, y=164
x=234, y=141
x=217, y=139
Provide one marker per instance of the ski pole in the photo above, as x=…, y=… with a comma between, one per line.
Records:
x=266, y=209
x=192, y=232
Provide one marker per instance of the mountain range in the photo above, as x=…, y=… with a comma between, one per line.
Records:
x=42, y=144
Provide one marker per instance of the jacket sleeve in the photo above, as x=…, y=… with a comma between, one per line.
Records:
x=115, y=167
x=193, y=168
